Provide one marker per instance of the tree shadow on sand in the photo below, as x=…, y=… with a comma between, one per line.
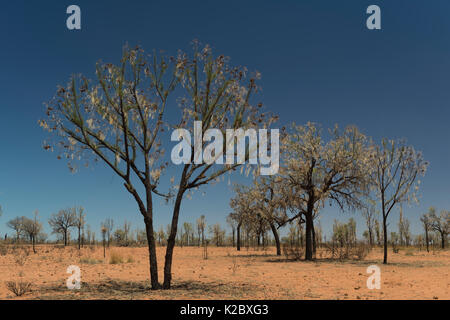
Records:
x=129, y=290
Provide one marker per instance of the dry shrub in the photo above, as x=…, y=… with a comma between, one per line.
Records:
x=3, y=250
x=361, y=251
x=358, y=251
x=115, y=258
x=19, y=288
x=293, y=253
x=21, y=255
x=130, y=259
x=235, y=266
x=89, y=260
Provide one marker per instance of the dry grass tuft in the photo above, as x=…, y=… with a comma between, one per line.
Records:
x=115, y=258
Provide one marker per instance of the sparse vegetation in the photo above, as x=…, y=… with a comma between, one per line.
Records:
x=19, y=288
x=115, y=258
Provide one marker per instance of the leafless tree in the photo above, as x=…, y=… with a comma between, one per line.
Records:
x=109, y=226
x=218, y=234
x=403, y=229
x=201, y=225
x=17, y=225
x=426, y=223
x=62, y=221
x=79, y=222
x=232, y=223
x=397, y=168
x=370, y=215
x=32, y=228
x=441, y=224
x=126, y=230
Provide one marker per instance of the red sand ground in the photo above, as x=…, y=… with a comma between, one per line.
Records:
x=226, y=274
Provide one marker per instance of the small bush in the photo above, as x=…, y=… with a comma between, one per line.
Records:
x=3, y=250
x=19, y=288
x=115, y=258
x=130, y=259
x=361, y=251
x=21, y=256
x=293, y=253
x=89, y=260
x=357, y=252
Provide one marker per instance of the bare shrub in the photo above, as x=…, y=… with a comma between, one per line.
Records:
x=19, y=288
x=235, y=265
x=21, y=256
x=3, y=250
x=359, y=251
x=293, y=252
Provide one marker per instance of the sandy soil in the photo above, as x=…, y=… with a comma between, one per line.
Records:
x=226, y=274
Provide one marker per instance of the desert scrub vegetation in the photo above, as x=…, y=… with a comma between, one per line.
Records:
x=293, y=252
x=3, y=250
x=115, y=258
x=19, y=288
x=21, y=255
x=89, y=260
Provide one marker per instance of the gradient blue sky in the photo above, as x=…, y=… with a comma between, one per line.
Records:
x=318, y=63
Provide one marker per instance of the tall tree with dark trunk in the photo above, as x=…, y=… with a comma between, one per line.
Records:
x=315, y=171
x=117, y=119
x=395, y=177
x=219, y=97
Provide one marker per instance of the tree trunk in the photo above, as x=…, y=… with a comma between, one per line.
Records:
x=238, y=242
x=426, y=239
x=385, y=242
x=171, y=240
x=152, y=252
x=79, y=238
x=442, y=240
x=277, y=238
x=309, y=240
x=313, y=231
x=65, y=237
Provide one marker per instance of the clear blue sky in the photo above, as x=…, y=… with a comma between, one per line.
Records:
x=318, y=63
